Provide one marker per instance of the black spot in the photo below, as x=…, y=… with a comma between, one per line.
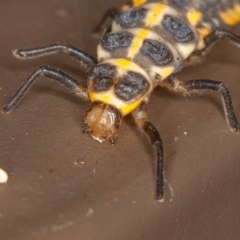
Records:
x=130, y=18
x=104, y=70
x=113, y=41
x=131, y=85
x=157, y=51
x=102, y=77
x=178, y=29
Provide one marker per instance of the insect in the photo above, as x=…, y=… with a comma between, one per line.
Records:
x=145, y=44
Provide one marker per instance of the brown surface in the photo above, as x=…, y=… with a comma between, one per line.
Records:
x=63, y=185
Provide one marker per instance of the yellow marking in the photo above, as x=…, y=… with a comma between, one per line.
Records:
x=136, y=44
x=127, y=108
x=123, y=65
x=231, y=16
x=194, y=17
x=138, y=3
x=226, y=18
x=163, y=72
x=167, y=71
x=110, y=99
x=94, y=96
x=237, y=8
x=154, y=15
x=234, y=15
x=204, y=31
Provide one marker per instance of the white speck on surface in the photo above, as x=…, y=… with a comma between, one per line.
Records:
x=79, y=163
x=185, y=133
x=3, y=176
x=90, y=212
x=62, y=226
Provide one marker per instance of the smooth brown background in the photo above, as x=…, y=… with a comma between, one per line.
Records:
x=63, y=185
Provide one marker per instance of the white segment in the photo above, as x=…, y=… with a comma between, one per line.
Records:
x=102, y=53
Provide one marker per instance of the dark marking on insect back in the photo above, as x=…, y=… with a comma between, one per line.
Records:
x=102, y=77
x=129, y=18
x=178, y=29
x=157, y=51
x=131, y=85
x=113, y=41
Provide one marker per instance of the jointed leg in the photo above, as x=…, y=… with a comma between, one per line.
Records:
x=140, y=117
x=194, y=86
x=199, y=55
x=59, y=76
x=222, y=33
x=214, y=37
x=86, y=60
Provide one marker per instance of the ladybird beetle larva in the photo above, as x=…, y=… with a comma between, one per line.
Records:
x=145, y=44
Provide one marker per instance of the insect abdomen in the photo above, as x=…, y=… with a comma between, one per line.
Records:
x=158, y=36
x=155, y=36
x=217, y=13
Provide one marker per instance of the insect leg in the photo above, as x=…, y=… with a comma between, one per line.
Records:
x=195, y=86
x=140, y=117
x=199, y=55
x=222, y=33
x=214, y=37
x=106, y=21
x=51, y=73
x=85, y=60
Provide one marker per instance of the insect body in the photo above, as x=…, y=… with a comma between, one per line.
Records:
x=147, y=43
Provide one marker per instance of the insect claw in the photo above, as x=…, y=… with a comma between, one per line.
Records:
x=18, y=53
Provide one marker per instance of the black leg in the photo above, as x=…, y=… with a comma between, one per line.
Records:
x=86, y=60
x=222, y=33
x=191, y=86
x=220, y=87
x=210, y=41
x=156, y=141
x=59, y=76
x=140, y=117
x=106, y=21
x=214, y=37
